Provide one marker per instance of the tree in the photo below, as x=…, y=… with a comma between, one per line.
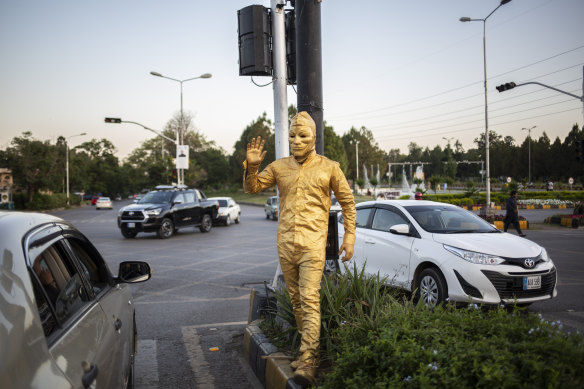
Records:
x=334, y=148
x=36, y=165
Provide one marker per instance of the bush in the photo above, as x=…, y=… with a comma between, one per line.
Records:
x=372, y=338
x=452, y=347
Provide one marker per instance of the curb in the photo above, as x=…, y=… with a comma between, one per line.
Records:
x=271, y=367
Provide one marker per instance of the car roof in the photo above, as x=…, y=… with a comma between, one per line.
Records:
x=403, y=203
x=14, y=225
x=219, y=198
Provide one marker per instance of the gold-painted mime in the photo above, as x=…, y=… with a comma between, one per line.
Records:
x=304, y=180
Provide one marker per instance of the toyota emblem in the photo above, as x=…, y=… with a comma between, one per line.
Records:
x=131, y=213
x=529, y=263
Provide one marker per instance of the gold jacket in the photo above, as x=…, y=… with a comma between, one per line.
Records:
x=304, y=194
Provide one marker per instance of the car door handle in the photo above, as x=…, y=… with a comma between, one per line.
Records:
x=369, y=241
x=90, y=374
x=117, y=323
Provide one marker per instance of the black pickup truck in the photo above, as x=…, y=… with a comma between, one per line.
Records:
x=167, y=209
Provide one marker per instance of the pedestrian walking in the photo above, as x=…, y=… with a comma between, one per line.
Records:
x=512, y=215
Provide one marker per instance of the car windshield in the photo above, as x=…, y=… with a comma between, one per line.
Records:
x=156, y=198
x=222, y=203
x=448, y=220
x=103, y=199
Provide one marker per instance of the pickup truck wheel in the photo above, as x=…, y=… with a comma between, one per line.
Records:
x=206, y=223
x=129, y=234
x=166, y=229
x=237, y=219
x=228, y=220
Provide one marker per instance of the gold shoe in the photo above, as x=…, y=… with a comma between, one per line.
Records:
x=304, y=375
x=295, y=364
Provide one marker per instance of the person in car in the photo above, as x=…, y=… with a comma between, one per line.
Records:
x=304, y=180
x=512, y=213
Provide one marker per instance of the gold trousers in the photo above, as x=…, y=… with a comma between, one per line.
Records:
x=303, y=273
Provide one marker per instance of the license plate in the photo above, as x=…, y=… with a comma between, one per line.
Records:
x=131, y=225
x=531, y=282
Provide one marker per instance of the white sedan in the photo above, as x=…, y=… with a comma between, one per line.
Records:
x=229, y=211
x=442, y=252
x=103, y=202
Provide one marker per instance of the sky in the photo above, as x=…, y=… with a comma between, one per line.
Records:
x=409, y=71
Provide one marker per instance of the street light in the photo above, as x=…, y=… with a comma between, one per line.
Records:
x=181, y=129
x=67, y=162
x=488, y=172
x=529, y=161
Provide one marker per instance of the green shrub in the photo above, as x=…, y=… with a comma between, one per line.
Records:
x=452, y=347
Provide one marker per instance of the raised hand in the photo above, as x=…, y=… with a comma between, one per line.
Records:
x=255, y=155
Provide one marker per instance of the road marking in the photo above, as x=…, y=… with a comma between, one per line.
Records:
x=199, y=365
x=146, y=365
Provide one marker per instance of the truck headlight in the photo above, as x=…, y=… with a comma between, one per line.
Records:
x=153, y=212
x=474, y=257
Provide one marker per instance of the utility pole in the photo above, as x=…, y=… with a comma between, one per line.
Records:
x=309, y=64
x=280, y=78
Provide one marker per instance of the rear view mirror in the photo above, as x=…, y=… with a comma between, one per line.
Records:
x=400, y=229
x=134, y=271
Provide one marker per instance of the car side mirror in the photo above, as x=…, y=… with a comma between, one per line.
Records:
x=400, y=229
x=134, y=271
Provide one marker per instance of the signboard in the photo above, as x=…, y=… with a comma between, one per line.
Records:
x=570, y=181
x=508, y=179
x=182, y=156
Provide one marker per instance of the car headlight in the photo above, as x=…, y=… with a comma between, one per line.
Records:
x=544, y=255
x=153, y=212
x=223, y=213
x=474, y=257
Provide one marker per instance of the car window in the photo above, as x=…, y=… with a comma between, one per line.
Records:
x=222, y=203
x=156, y=198
x=60, y=281
x=200, y=195
x=384, y=219
x=180, y=197
x=363, y=217
x=94, y=271
x=448, y=220
x=190, y=197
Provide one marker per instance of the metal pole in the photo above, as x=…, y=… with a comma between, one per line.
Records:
x=180, y=172
x=357, y=158
x=67, y=168
x=487, y=157
x=309, y=64
x=280, y=78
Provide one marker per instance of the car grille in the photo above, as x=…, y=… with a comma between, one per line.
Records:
x=132, y=216
x=511, y=287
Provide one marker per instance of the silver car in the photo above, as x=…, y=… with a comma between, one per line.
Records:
x=65, y=320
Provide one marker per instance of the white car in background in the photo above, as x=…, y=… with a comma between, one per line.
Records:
x=104, y=203
x=229, y=211
x=442, y=252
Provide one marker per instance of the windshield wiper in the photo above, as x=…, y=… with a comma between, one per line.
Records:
x=460, y=231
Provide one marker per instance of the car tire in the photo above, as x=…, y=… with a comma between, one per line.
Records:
x=237, y=219
x=166, y=229
x=267, y=215
x=128, y=234
x=206, y=223
x=228, y=220
x=431, y=287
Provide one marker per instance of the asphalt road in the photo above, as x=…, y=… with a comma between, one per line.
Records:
x=198, y=297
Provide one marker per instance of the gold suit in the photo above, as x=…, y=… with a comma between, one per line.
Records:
x=304, y=192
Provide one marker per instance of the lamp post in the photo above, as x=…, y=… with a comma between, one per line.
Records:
x=181, y=129
x=67, y=162
x=488, y=172
x=529, y=148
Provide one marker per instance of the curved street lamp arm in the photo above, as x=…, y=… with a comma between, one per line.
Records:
x=581, y=98
x=150, y=129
